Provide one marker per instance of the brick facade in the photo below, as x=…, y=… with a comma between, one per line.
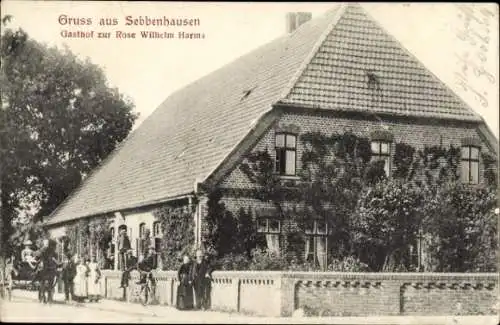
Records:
x=418, y=133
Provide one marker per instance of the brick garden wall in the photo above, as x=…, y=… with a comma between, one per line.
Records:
x=272, y=293
x=432, y=294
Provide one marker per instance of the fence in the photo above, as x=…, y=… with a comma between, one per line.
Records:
x=274, y=293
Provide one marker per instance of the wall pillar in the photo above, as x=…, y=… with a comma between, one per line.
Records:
x=199, y=221
x=196, y=224
x=118, y=219
x=287, y=295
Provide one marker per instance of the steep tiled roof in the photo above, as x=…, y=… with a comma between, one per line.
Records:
x=322, y=64
x=358, y=49
x=189, y=134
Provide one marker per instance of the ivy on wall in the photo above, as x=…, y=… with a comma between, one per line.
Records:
x=88, y=237
x=259, y=168
x=337, y=174
x=490, y=164
x=177, y=226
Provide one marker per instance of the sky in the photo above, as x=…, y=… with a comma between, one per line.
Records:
x=148, y=70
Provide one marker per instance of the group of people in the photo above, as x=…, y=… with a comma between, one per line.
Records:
x=145, y=264
x=80, y=276
x=194, y=286
x=193, y=291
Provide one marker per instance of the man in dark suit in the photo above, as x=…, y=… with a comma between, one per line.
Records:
x=131, y=265
x=201, y=279
x=68, y=274
x=123, y=248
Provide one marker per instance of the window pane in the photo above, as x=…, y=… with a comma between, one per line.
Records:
x=474, y=153
x=274, y=226
x=375, y=147
x=280, y=161
x=273, y=243
x=387, y=166
x=290, y=141
x=321, y=251
x=280, y=140
x=465, y=152
x=309, y=227
x=262, y=225
x=156, y=229
x=384, y=148
x=474, y=172
x=464, y=171
x=309, y=249
x=290, y=162
x=321, y=227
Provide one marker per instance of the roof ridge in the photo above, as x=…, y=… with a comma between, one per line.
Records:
x=340, y=9
x=414, y=57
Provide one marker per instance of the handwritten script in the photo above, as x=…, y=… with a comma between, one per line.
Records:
x=475, y=32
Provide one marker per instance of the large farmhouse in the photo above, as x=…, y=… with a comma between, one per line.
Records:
x=340, y=71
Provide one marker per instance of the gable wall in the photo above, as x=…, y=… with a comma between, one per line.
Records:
x=415, y=134
x=412, y=133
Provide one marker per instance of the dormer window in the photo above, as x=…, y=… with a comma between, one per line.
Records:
x=286, y=153
x=469, y=173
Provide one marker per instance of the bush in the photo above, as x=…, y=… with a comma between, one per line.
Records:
x=263, y=259
x=348, y=264
x=233, y=262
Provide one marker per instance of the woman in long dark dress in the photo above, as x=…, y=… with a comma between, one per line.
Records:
x=184, y=290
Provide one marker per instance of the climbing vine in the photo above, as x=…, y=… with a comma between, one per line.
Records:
x=88, y=237
x=489, y=163
x=259, y=168
x=338, y=178
x=178, y=234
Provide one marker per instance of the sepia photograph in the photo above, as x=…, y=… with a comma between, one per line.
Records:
x=249, y=162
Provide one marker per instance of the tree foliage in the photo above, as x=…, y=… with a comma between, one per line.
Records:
x=59, y=120
x=464, y=226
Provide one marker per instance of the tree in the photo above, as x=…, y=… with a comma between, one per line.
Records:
x=385, y=223
x=59, y=120
x=464, y=225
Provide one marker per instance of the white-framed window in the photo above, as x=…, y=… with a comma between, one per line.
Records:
x=271, y=228
x=469, y=173
x=316, y=242
x=142, y=230
x=156, y=229
x=381, y=150
x=157, y=241
x=286, y=154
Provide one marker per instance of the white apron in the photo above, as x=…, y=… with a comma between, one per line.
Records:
x=94, y=283
x=80, y=281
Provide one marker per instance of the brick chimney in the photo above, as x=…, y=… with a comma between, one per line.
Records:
x=295, y=19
